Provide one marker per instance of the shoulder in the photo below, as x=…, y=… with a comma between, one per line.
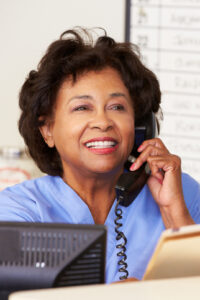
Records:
x=187, y=178
x=191, y=191
x=29, y=187
x=190, y=185
x=21, y=201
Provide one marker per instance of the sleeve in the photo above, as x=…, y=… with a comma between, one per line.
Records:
x=17, y=206
x=191, y=191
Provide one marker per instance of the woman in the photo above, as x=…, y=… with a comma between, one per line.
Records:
x=78, y=117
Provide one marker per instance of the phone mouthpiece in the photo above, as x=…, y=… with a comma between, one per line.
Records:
x=130, y=184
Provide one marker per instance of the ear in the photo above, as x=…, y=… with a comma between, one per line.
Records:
x=46, y=131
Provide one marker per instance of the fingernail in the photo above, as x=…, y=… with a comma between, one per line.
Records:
x=132, y=167
x=139, y=148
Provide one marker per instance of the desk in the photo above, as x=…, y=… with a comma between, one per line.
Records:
x=165, y=289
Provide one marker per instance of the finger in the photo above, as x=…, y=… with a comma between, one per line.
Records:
x=160, y=166
x=157, y=173
x=156, y=142
x=150, y=151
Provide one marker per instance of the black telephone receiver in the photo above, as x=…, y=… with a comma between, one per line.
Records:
x=130, y=183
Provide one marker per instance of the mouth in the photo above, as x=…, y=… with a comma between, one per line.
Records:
x=102, y=144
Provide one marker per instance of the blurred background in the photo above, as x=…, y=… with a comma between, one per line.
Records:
x=27, y=27
x=167, y=33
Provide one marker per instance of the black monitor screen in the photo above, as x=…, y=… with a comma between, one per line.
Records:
x=42, y=255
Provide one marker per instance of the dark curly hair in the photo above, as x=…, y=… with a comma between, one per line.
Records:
x=71, y=55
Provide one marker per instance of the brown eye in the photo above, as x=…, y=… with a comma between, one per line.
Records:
x=80, y=108
x=118, y=107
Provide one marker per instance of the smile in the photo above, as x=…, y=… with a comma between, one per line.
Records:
x=101, y=144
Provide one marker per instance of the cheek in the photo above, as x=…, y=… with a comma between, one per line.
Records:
x=68, y=135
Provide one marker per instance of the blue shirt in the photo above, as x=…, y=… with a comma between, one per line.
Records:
x=50, y=199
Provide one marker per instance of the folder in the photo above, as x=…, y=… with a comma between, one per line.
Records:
x=177, y=254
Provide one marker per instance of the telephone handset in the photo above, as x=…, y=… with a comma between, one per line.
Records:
x=130, y=183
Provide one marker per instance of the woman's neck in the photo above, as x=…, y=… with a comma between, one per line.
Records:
x=98, y=192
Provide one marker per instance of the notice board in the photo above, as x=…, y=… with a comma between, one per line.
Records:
x=168, y=35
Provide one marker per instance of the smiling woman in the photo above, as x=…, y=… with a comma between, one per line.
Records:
x=93, y=116
x=79, y=111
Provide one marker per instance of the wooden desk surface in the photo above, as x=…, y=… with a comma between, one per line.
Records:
x=165, y=289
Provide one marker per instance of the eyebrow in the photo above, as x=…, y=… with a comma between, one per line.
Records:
x=118, y=94
x=112, y=95
x=80, y=97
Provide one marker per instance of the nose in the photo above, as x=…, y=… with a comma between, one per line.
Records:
x=101, y=121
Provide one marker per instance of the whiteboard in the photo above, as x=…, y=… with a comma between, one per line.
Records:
x=168, y=34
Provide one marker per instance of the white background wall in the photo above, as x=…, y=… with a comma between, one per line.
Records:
x=27, y=27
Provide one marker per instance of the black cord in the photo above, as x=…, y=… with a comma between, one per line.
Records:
x=120, y=235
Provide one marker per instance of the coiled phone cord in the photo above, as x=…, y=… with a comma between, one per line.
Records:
x=120, y=235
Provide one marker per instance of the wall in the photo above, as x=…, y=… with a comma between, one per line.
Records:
x=168, y=35
x=27, y=27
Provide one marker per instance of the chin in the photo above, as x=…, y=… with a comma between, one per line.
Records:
x=107, y=170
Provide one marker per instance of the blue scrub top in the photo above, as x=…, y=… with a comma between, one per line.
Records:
x=50, y=199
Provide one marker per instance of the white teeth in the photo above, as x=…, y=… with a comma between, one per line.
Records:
x=101, y=144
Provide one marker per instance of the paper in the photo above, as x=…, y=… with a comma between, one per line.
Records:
x=177, y=254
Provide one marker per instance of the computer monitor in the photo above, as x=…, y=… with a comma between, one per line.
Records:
x=43, y=255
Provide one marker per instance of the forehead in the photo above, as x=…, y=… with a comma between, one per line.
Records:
x=102, y=85
x=107, y=78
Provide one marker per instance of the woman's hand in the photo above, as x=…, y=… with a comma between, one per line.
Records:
x=164, y=182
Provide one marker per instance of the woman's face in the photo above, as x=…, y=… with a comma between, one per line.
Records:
x=93, y=124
